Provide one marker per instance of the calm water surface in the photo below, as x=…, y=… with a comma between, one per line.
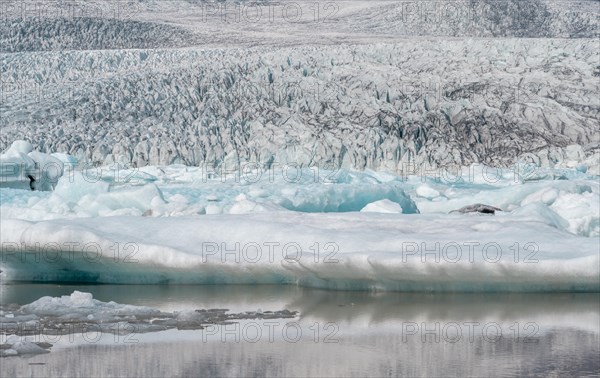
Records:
x=337, y=334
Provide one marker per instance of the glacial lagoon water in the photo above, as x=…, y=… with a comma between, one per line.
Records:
x=335, y=334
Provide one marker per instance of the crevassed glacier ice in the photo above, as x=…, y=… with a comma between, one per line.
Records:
x=493, y=101
x=143, y=24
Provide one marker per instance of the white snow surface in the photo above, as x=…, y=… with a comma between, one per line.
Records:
x=336, y=251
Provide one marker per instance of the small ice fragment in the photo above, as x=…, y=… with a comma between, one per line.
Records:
x=425, y=191
x=383, y=206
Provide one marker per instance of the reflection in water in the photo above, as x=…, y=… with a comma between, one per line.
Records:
x=338, y=333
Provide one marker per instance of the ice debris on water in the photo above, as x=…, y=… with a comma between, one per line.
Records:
x=81, y=313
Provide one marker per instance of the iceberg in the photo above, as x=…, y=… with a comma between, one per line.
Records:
x=344, y=251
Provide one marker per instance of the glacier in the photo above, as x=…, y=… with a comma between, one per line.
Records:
x=517, y=83
x=495, y=102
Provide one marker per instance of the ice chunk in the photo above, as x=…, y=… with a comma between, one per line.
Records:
x=426, y=191
x=72, y=188
x=23, y=168
x=546, y=196
x=383, y=206
x=80, y=195
x=22, y=346
x=80, y=299
x=20, y=147
x=581, y=210
x=27, y=347
x=80, y=305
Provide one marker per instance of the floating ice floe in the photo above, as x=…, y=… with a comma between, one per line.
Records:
x=22, y=329
x=14, y=345
x=360, y=251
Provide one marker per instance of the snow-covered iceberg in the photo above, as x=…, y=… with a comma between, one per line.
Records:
x=362, y=251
